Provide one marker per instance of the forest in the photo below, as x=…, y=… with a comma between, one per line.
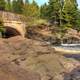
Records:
x=39, y=42
x=61, y=13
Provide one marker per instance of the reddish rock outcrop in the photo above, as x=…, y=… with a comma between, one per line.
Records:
x=27, y=59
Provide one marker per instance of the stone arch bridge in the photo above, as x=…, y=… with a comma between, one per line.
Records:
x=13, y=23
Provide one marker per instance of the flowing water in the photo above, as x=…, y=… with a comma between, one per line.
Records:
x=70, y=46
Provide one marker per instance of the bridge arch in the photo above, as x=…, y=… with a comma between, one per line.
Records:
x=15, y=21
x=10, y=32
x=17, y=25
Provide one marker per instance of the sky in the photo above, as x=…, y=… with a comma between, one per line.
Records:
x=41, y=2
x=78, y=3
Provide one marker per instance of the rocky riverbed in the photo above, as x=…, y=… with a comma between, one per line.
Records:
x=28, y=59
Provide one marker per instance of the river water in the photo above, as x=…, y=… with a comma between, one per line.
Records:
x=74, y=47
x=71, y=48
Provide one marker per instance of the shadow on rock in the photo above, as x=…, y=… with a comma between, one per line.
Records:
x=73, y=75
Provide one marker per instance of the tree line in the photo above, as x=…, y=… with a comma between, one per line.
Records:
x=63, y=13
x=20, y=7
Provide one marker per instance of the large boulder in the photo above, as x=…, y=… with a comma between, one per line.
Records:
x=27, y=59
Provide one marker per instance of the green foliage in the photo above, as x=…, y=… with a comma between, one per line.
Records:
x=62, y=12
x=31, y=10
x=35, y=9
x=53, y=10
x=77, y=21
x=2, y=4
x=43, y=11
x=40, y=21
x=17, y=6
x=70, y=11
x=14, y=5
x=8, y=6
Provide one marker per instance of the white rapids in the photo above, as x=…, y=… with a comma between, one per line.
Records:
x=70, y=45
x=69, y=48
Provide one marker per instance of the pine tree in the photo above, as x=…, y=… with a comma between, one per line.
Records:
x=2, y=4
x=70, y=11
x=26, y=10
x=34, y=9
x=17, y=6
x=77, y=21
x=31, y=10
x=8, y=6
x=43, y=11
x=14, y=5
x=61, y=12
x=54, y=10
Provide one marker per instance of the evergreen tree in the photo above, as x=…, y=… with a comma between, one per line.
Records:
x=54, y=10
x=70, y=12
x=20, y=4
x=43, y=11
x=77, y=21
x=61, y=12
x=26, y=10
x=8, y=6
x=2, y=4
x=14, y=5
x=31, y=10
x=34, y=9
x=17, y=6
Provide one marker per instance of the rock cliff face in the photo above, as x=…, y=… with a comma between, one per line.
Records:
x=43, y=33
x=27, y=59
x=53, y=35
x=71, y=36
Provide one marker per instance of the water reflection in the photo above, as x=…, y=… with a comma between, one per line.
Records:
x=70, y=46
x=75, y=56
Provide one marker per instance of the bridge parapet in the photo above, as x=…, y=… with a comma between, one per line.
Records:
x=14, y=21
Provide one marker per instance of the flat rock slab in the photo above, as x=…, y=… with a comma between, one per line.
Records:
x=13, y=72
